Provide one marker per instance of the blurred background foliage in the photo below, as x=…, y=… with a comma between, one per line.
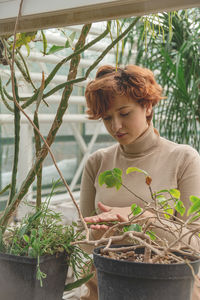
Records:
x=169, y=45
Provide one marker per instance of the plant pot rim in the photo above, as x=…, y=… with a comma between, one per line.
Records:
x=97, y=249
x=28, y=259
x=143, y=270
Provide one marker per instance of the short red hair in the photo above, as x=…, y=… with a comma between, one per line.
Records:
x=135, y=82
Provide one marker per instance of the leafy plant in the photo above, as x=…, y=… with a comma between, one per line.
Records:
x=168, y=44
x=69, y=43
x=142, y=228
x=42, y=233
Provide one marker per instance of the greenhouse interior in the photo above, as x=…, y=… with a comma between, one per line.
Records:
x=167, y=42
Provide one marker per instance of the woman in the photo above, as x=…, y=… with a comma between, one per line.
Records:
x=124, y=100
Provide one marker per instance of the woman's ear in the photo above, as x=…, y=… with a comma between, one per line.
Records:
x=148, y=109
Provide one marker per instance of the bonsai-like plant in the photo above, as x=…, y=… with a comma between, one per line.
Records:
x=142, y=229
x=149, y=263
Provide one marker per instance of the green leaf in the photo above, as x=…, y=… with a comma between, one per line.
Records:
x=196, y=205
x=162, y=191
x=180, y=208
x=78, y=282
x=5, y=189
x=70, y=39
x=34, y=216
x=134, y=169
x=151, y=234
x=117, y=171
x=110, y=32
x=1, y=240
x=24, y=38
x=111, y=178
x=193, y=199
x=135, y=209
x=118, y=185
x=194, y=218
x=67, y=45
x=44, y=43
x=22, y=230
x=26, y=238
x=133, y=227
x=175, y=193
x=161, y=199
x=133, y=206
x=54, y=49
x=102, y=177
x=34, y=233
x=168, y=210
x=28, y=49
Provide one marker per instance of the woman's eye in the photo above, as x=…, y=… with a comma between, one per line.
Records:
x=125, y=114
x=107, y=118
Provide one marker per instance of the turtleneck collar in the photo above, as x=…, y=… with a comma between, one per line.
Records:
x=143, y=144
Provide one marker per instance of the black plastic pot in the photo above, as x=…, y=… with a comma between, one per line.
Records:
x=123, y=280
x=18, y=277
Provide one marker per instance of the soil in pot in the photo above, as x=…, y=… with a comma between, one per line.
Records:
x=135, y=280
x=18, y=277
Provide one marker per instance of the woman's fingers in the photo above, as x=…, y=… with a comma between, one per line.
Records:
x=104, y=217
x=109, y=214
x=121, y=218
x=93, y=219
x=108, y=217
x=98, y=227
x=103, y=207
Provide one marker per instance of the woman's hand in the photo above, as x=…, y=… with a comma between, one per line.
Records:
x=109, y=214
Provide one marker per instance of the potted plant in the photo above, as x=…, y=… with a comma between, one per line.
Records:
x=31, y=250
x=35, y=255
x=149, y=266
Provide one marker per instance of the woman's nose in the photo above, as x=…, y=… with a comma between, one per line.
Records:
x=116, y=124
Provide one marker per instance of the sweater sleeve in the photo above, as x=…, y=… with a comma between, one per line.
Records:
x=88, y=191
x=189, y=177
x=188, y=184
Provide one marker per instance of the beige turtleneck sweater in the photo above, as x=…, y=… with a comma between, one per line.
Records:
x=170, y=165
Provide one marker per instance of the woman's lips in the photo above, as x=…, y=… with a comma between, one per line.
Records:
x=120, y=135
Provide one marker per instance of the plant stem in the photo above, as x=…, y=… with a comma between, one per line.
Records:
x=38, y=145
x=3, y=98
x=97, y=61
x=37, y=150
x=16, y=145
x=46, y=147
x=26, y=74
x=62, y=62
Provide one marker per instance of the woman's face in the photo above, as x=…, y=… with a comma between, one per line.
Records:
x=126, y=120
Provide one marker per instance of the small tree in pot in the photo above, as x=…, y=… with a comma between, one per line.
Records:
x=150, y=267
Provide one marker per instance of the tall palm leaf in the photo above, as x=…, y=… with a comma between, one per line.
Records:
x=176, y=62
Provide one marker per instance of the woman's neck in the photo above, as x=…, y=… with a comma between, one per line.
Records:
x=143, y=144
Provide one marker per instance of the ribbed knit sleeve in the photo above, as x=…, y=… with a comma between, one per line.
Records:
x=189, y=175
x=88, y=190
